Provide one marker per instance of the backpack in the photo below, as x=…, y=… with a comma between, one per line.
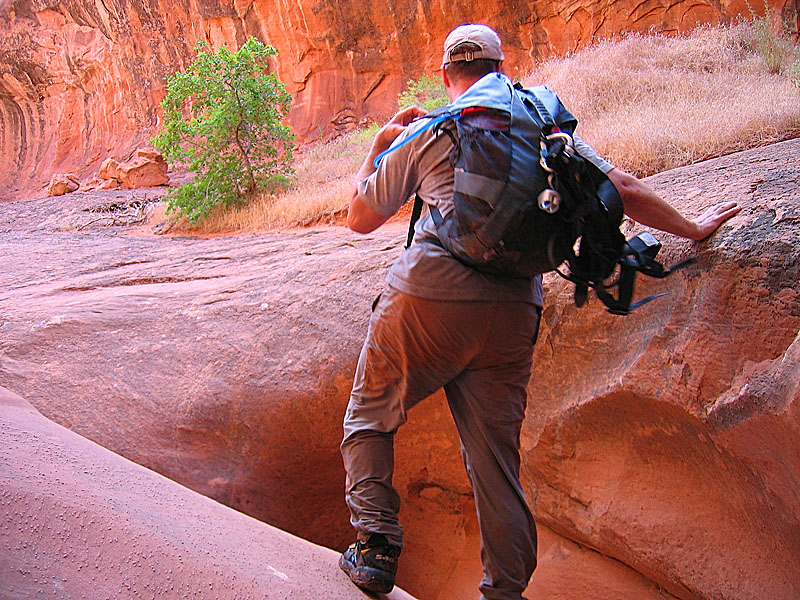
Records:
x=525, y=201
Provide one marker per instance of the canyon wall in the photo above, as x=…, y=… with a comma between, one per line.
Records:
x=81, y=81
x=82, y=523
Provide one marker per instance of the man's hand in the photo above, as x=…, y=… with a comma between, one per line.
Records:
x=360, y=217
x=712, y=218
x=389, y=132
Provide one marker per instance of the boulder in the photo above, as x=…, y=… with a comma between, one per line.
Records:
x=108, y=169
x=108, y=184
x=61, y=184
x=146, y=169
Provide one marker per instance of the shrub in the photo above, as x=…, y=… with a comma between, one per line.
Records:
x=426, y=92
x=222, y=120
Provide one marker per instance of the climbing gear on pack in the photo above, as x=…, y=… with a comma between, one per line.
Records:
x=524, y=199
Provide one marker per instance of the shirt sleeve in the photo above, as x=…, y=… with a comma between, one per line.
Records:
x=589, y=153
x=397, y=178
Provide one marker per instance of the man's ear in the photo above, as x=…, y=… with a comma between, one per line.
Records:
x=499, y=66
x=445, y=78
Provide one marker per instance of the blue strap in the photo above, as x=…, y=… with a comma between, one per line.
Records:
x=434, y=121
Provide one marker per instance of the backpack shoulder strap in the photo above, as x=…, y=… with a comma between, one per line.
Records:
x=542, y=97
x=415, y=214
x=537, y=103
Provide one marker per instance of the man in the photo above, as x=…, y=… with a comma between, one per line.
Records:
x=440, y=324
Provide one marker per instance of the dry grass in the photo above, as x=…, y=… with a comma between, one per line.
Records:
x=651, y=103
x=647, y=102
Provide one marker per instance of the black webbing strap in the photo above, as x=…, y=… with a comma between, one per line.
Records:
x=542, y=110
x=629, y=266
x=415, y=214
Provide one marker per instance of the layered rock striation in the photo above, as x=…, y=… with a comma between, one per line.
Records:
x=81, y=82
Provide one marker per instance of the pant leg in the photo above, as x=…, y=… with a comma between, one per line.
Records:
x=488, y=401
x=413, y=347
x=481, y=353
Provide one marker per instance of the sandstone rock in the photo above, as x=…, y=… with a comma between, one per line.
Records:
x=152, y=155
x=661, y=448
x=108, y=170
x=108, y=184
x=61, y=184
x=80, y=522
x=147, y=169
x=257, y=424
x=83, y=82
x=669, y=440
x=93, y=184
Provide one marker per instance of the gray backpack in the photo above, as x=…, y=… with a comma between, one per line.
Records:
x=525, y=201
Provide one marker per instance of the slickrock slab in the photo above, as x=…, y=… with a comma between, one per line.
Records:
x=80, y=522
x=225, y=361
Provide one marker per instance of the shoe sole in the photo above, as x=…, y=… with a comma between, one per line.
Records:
x=373, y=580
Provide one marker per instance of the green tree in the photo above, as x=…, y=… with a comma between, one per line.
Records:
x=223, y=121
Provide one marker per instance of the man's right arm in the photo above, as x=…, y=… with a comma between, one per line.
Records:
x=360, y=217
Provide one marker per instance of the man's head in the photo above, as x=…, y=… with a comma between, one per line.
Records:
x=470, y=52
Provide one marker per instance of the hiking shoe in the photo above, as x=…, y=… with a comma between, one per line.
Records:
x=371, y=565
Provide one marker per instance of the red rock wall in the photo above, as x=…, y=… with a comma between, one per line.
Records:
x=80, y=82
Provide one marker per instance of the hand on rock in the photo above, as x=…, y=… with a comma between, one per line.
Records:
x=712, y=218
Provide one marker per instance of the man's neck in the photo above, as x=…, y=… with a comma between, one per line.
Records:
x=457, y=88
x=466, y=84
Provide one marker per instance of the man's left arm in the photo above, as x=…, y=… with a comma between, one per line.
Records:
x=644, y=206
x=360, y=217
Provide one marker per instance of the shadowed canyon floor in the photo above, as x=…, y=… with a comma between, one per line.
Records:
x=660, y=450
x=88, y=523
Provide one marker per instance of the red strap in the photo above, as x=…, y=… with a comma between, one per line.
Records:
x=472, y=109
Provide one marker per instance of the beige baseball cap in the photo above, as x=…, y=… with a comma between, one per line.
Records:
x=460, y=44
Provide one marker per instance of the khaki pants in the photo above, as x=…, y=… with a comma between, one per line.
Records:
x=481, y=353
